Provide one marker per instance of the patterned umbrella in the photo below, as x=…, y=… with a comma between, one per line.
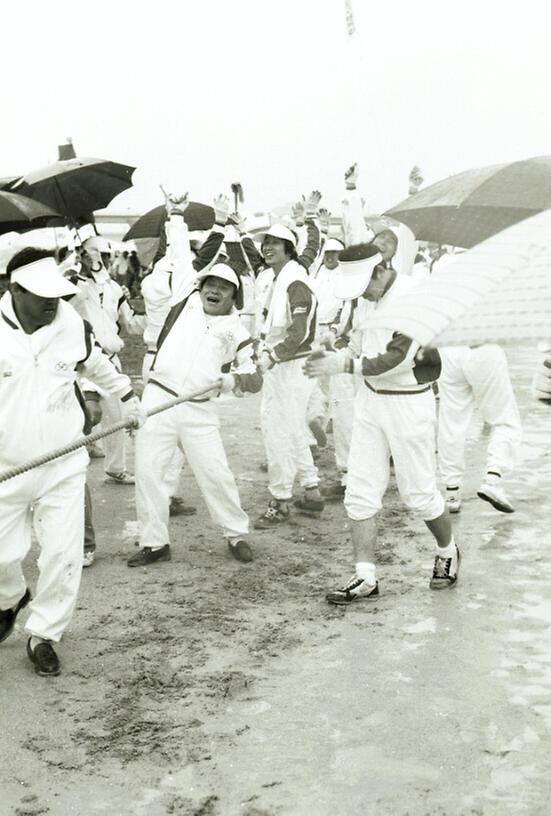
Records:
x=76, y=187
x=497, y=292
x=465, y=209
x=18, y=213
x=197, y=217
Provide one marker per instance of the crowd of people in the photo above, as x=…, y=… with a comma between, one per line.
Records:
x=285, y=313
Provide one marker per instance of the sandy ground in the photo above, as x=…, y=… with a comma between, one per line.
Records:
x=203, y=687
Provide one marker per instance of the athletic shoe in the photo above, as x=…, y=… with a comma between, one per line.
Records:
x=445, y=571
x=355, y=590
x=147, y=556
x=179, y=508
x=8, y=616
x=89, y=558
x=94, y=451
x=45, y=660
x=124, y=478
x=310, y=507
x=334, y=492
x=274, y=515
x=240, y=550
x=453, y=502
x=318, y=432
x=493, y=493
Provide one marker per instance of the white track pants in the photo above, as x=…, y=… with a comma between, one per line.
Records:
x=283, y=410
x=476, y=378
x=173, y=474
x=195, y=428
x=114, y=444
x=56, y=491
x=401, y=426
x=343, y=389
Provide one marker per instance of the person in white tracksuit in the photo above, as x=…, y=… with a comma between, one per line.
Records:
x=477, y=378
x=158, y=290
x=202, y=338
x=102, y=301
x=44, y=346
x=288, y=331
x=394, y=416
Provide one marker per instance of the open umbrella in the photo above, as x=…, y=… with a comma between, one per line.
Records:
x=497, y=292
x=197, y=217
x=18, y=213
x=76, y=187
x=467, y=208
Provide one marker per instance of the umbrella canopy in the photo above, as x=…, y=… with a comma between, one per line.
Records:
x=76, y=187
x=465, y=209
x=197, y=217
x=498, y=292
x=17, y=212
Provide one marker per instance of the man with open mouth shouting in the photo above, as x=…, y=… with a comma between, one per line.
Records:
x=202, y=339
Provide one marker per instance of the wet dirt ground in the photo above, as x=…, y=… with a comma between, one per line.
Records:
x=205, y=687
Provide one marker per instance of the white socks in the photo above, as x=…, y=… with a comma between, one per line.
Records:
x=366, y=571
x=446, y=552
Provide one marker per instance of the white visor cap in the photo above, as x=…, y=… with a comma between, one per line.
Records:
x=44, y=279
x=353, y=277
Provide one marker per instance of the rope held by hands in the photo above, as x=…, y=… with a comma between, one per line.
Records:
x=82, y=441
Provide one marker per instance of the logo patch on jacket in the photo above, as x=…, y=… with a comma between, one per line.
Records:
x=61, y=366
x=7, y=373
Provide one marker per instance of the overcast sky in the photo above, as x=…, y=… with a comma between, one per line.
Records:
x=276, y=95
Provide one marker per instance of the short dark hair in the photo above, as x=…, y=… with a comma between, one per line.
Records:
x=387, y=233
x=27, y=256
x=289, y=247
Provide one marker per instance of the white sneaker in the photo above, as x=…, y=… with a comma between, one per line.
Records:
x=89, y=556
x=355, y=590
x=453, y=502
x=493, y=493
x=445, y=571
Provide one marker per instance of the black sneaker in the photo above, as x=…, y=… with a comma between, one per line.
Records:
x=445, y=572
x=240, y=550
x=274, y=515
x=334, y=492
x=147, y=556
x=310, y=507
x=8, y=616
x=45, y=660
x=355, y=590
x=179, y=508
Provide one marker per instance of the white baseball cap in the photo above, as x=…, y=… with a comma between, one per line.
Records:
x=220, y=270
x=43, y=278
x=97, y=242
x=333, y=245
x=356, y=265
x=278, y=231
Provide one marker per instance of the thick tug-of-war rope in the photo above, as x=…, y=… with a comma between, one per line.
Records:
x=82, y=441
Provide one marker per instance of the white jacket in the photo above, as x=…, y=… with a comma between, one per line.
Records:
x=101, y=301
x=39, y=408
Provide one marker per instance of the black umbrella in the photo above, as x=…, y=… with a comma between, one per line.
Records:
x=197, y=217
x=467, y=208
x=76, y=187
x=19, y=213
